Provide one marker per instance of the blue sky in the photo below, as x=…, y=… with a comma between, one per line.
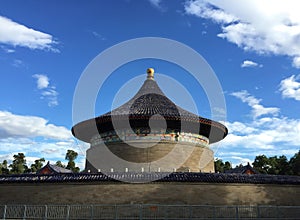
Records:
x=253, y=47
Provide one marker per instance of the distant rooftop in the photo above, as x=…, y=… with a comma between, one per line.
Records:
x=52, y=169
x=247, y=169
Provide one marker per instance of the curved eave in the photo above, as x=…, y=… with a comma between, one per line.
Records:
x=213, y=130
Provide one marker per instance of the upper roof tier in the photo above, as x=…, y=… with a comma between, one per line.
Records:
x=150, y=102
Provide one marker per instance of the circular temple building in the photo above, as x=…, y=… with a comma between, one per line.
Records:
x=149, y=133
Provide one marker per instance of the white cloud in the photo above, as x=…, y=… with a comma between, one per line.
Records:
x=268, y=136
x=51, y=95
x=97, y=35
x=240, y=160
x=205, y=10
x=261, y=26
x=257, y=109
x=36, y=138
x=7, y=50
x=15, y=34
x=271, y=135
x=296, y=62
x=47, y=92
x=249, y=63
x=240, y=128
x=12, y=125
x=157, y=4
x=17, y=63
x=290, y=87
x=265, y=135
x=42, y=81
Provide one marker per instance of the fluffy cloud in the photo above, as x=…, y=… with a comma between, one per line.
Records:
x=12, y=125
x=261, y=26
x=42, y=81
x=257, y=109
x=296, y=62
x=203, y=9
x=272, y=135
x=47, y=92
x=249, y=63
x=7, y=50
x=36, y=138
x=290, y=87
x=15, y=34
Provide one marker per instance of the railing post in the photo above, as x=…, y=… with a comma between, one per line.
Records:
x=68, y=212
x=141, y=211
x=213, y=211
x=190, y=212
x=258, y=212
x=236, y=212
x=92, y=211
x=116, y=211
x=4, y=213
x=24, y=214
x=46, y=212
x=165, y=210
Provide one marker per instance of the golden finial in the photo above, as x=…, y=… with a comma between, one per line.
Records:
x=150, y=73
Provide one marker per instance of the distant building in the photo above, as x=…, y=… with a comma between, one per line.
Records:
x=52, y=169
x=248, y=169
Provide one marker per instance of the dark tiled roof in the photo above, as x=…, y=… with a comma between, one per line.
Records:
x=151, y=177
x=149, y=101
x=58, y=169
x=54, y=169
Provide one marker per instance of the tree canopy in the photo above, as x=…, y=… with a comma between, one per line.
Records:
x=268, y=165
x=71, y=156
x=221, y=167
x=19, y=164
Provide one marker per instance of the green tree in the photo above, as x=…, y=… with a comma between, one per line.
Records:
x=60, y=164
x=38, y=164
x=295, y=164
x=227, y=166
x=261, y=164
x=272, y=165
x=71, y=157
x=284, y=167
x=4, y=167
x=18, y=165
x=221, y=167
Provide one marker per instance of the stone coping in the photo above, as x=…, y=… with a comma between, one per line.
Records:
x=155, y=177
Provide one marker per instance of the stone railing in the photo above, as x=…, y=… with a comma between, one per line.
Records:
x=147, y=211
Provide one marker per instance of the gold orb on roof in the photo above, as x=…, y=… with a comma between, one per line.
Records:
x=150, y=73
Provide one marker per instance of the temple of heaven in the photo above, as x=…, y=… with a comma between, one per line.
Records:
x=149, y=133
